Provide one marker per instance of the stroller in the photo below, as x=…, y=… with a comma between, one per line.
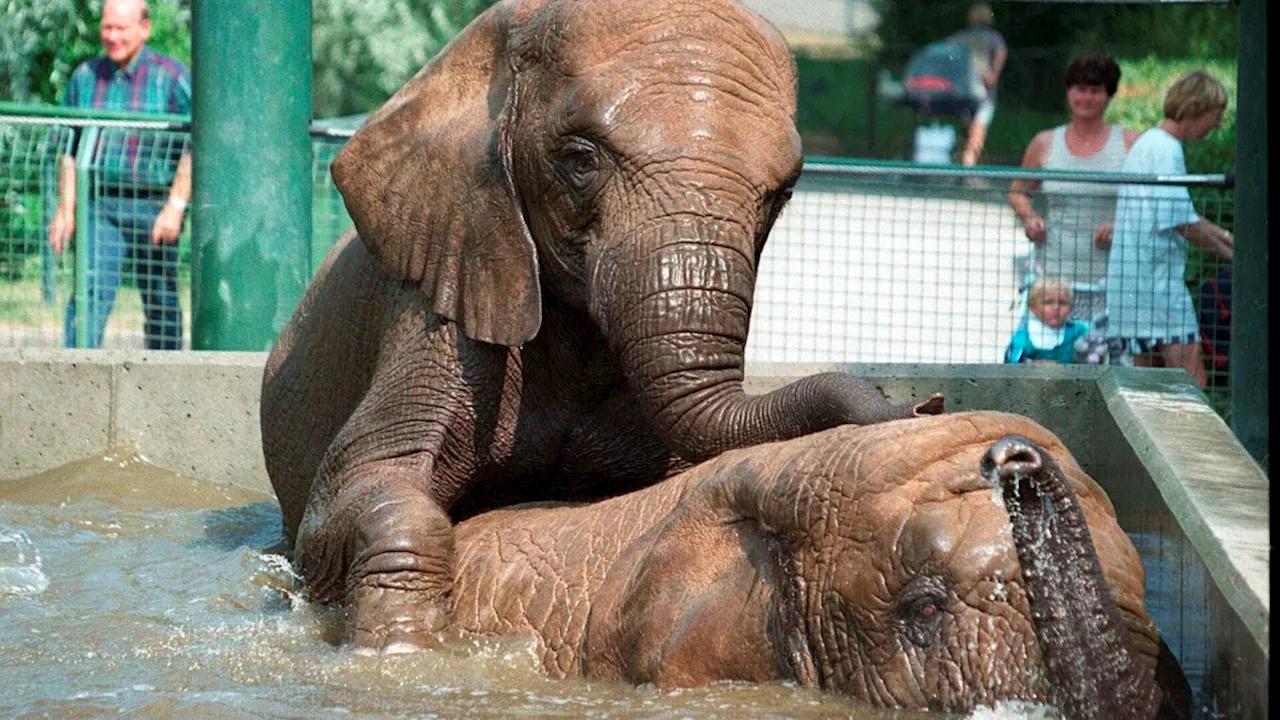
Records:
x=939, y=82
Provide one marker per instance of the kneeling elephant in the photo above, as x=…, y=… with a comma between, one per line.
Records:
x=560, y=221
x=942, y=563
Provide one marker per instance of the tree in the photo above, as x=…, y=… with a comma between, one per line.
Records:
x=364, y=50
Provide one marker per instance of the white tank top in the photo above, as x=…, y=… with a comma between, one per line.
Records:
x=1075, y=210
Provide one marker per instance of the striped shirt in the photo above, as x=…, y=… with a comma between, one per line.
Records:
x=152, y=83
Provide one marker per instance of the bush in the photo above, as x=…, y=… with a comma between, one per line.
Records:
x=364, y=50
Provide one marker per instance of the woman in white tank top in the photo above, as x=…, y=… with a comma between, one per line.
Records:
x=1073, y=238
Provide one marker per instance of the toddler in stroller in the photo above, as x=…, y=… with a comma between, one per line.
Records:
x=1048, y=333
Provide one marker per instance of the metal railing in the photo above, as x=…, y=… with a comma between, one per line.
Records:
x=123, y=163
x=870, y=262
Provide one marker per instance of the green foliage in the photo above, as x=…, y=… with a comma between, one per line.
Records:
x=42, y=42
x=833, y=99
x=171, y=28
x=364, y=50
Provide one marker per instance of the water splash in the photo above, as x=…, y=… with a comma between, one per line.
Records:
x=1015, y=709
x=20, y=572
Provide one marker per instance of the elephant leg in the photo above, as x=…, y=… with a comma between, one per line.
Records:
x=384, y=548
x=376, y=534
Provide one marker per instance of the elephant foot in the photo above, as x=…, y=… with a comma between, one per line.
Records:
x=934, y=405
x=391, y=621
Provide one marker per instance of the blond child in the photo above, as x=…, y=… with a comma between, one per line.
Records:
x=1047, y=334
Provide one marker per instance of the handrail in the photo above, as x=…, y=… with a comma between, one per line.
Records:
x=33, y=114
x=846, y=167
x=59, y=115
x=814, y=166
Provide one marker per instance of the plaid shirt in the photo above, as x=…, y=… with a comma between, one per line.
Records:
x=152, y=82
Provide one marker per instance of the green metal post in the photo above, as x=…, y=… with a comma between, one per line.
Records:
x=251, y=162
x=83, y=162
x=1249, y=354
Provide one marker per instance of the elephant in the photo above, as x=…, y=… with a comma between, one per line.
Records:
x=546, y=293
x=935, y=563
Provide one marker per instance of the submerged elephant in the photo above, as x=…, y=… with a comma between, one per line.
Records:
x=936, y=563
x=559, y=220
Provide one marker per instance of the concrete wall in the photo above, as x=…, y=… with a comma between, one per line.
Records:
x=1171, y=466
x=193, y=413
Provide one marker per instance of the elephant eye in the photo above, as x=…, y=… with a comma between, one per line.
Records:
x=919, y=613
x=579, y=163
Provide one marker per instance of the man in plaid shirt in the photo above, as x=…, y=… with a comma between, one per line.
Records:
x=138, y=194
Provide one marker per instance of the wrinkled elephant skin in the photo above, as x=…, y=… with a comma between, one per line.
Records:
x=547, y=294
x=878, y=562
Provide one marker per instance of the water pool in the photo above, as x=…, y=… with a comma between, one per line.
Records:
x=126, y=589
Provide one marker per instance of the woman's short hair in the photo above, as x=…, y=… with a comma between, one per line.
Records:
x=1095, y=68
x=1194, y=93
x=1050, y=286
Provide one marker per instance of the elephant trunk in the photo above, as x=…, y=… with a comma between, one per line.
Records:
x=678, y=314
x=1093, y=671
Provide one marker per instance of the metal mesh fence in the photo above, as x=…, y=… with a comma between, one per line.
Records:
x=870, y=262
x=890, y=263
x=113, y=285
x=329, y=219
x=31, y=278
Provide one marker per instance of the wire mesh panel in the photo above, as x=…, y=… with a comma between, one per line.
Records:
x=132, y=287
x=897, y=265
x=329, y=218
x=878, y=271
x=121, y=288
x=870, y=262
x=32, y=279
x=108, y=283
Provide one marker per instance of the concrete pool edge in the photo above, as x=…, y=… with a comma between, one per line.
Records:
x=1221, y=501
x=58, y=406
x=196, y=413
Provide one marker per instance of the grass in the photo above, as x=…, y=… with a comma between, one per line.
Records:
x=24, y=310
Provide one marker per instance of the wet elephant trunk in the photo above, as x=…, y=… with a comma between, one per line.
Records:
x=1082, y=636
x=678, y=313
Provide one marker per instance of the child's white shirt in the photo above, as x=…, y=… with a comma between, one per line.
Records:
x=1043, y=336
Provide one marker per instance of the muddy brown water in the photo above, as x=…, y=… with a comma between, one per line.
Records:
x=127, y=590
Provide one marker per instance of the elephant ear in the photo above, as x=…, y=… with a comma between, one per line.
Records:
x=428, y=183
x=704, y=595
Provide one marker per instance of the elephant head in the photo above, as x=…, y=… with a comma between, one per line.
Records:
x=900, y=578
x=624, y=159
x=879, y=562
